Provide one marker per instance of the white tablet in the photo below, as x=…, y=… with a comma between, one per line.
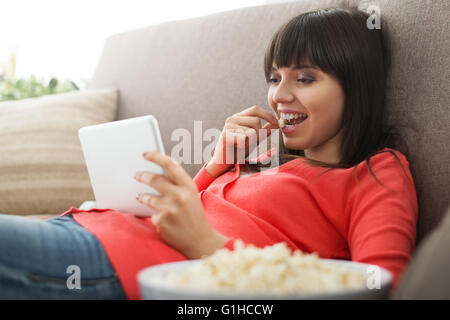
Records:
x=113, y=154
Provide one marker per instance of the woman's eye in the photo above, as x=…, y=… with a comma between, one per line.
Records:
x=305, y=80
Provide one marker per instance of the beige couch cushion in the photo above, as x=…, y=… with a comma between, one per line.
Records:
x=42, y=169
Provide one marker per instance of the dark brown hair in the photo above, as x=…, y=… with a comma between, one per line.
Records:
x=339, y=43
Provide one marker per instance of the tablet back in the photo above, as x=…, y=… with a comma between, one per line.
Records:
x=113, y=154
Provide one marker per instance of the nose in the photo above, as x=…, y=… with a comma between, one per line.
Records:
x=282, y=93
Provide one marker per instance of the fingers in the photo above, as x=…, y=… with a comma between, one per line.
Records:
x=159, y=220
x=260, y=112
x=234, y=139
x=250, y=135
x=155, y=202
x=159, y=182
x=173, y=169
x=270, y=127
x=156, y=218
x=249, y=121
x=241, y=140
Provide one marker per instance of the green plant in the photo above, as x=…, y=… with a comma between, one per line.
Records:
x=16, y=89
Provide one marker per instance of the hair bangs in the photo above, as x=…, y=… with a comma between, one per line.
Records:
x=300, y=41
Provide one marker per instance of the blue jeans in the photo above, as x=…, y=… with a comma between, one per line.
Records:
x=53, y=259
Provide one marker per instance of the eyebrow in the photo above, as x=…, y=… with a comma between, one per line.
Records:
x=297, y=67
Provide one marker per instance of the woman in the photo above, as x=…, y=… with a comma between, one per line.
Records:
x=341, y=190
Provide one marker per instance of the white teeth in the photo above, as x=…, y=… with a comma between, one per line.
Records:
x=290, y=116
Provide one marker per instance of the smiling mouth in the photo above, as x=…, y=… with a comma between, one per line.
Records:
x=288, y=120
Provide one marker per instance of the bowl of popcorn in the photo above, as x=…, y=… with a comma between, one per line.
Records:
x=273, y=272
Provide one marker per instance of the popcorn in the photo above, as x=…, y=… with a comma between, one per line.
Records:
x=271, y=270
x=281, y=123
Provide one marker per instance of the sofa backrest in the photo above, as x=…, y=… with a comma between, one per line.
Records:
x=208, y=68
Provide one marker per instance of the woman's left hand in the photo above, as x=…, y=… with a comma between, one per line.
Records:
x=180, y=218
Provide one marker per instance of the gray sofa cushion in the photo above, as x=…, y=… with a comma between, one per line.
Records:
x=427, y=275
x=210, y=67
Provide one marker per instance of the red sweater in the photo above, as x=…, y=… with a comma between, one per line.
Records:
x=329, y=214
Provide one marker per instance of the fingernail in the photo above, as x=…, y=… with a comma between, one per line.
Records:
x=144, y=198
x=147, y=154
x=137, y=175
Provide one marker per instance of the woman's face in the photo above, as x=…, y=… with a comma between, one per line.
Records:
x=318, y=100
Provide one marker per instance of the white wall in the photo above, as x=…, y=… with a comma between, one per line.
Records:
x=64, y=38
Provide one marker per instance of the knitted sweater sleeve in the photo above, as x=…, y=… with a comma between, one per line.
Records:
x=382, y=224
x=202, y=179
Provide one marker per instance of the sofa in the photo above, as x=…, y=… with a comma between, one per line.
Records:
x=210, y=67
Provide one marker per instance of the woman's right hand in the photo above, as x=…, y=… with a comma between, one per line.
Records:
x=240, y=132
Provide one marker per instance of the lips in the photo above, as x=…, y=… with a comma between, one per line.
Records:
x=290, y=121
